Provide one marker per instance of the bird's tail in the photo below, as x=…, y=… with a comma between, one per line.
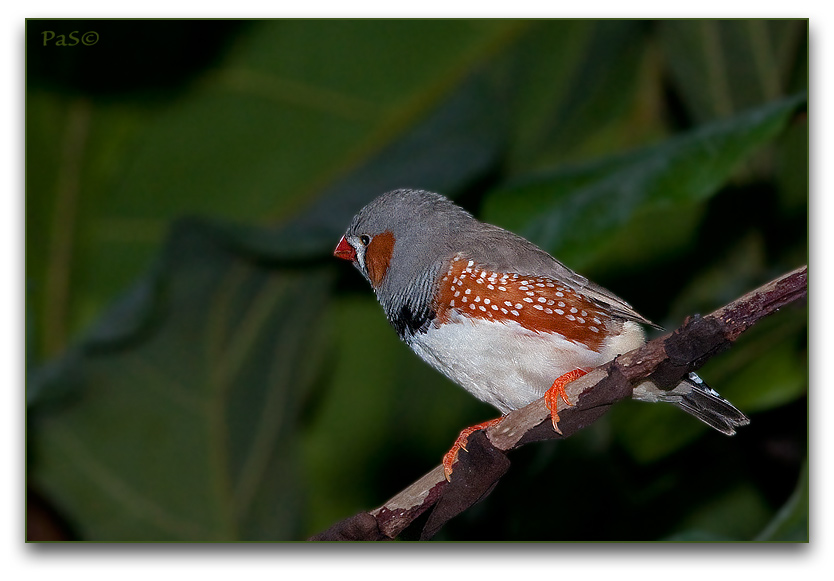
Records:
x=695, y=397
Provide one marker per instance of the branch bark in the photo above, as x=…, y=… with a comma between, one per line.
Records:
x=664, y=361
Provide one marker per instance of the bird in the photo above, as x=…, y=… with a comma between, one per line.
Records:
x=496, y=314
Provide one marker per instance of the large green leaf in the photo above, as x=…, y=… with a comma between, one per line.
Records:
x=178, y=429
x=573, y=212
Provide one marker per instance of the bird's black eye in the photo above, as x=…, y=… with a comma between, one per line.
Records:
x=365, y=239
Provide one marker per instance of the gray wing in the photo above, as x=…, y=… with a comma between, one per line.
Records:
x=502, y=251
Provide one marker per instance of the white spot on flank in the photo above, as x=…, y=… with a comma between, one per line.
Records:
x=486, y=301
x=452, y=287
x=519, y=306
x=501, y=288
x=527, y=300
x=482, y=308
x=504, y=311
x=570, y=318
x=542, y=300
x=478, y=299
x=539, y=307
x=452, y=303
x=573, y=309
x=490, y=287
x=560, y=294
x=557, y=311
x=580, y=320
x=560, y=304
x=472, y=306
x=467, y=291
x=530, y=294
x=457, y=293
x=549, y=311
x=594, y=329
x=464, y=299
x=508, y=303
x=584, y=313
x=524, y=288
x=515, y=313
x=494, y=307
x=539, y=284
x=597, y=321
x=471, y=262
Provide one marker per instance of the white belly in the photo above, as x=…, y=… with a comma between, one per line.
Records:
x=506, y=365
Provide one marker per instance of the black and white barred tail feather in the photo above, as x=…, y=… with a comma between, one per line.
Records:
x=695, y=397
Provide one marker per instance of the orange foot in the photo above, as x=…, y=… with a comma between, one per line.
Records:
x=460, y=444
x=557, y=390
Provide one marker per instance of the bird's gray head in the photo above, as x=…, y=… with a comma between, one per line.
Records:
x=399, y=242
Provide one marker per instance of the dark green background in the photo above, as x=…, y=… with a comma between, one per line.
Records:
x=199, y=368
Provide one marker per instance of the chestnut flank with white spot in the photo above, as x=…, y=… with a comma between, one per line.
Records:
x=525, y=300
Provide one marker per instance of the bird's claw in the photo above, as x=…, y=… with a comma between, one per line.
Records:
x=450, y=457
x=557, y=390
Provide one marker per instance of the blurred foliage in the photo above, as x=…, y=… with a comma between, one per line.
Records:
x=220, y=377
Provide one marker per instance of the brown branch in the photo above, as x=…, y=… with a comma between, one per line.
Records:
x=664, y=361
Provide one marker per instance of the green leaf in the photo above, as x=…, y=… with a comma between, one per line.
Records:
x=572, y=212
x=179, y=428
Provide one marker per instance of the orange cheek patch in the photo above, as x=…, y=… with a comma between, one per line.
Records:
x=378, y=256
x=537, y=303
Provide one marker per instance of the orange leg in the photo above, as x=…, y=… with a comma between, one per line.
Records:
x=460, y=444
x=557, y=390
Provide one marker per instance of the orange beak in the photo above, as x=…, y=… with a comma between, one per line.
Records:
x=345, y=251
